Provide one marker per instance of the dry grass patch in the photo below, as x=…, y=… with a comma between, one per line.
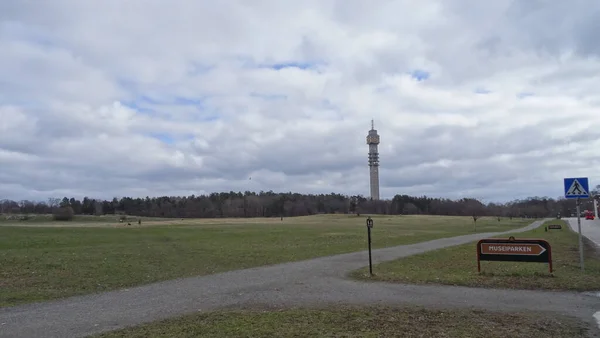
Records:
x=360, y=322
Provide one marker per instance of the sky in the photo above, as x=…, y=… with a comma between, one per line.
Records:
x=496, y=100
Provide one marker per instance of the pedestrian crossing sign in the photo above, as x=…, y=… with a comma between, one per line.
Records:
x=576, y=187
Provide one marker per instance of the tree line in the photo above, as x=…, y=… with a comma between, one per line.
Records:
x=271, y=204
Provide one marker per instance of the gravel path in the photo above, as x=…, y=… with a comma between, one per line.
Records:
x=318, y=281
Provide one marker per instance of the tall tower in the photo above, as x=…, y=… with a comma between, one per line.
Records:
x=373, y=142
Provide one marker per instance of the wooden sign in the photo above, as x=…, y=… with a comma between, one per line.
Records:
x=523, y=249
x=554, y=227
x=514, y=250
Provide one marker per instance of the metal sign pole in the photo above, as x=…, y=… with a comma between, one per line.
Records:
x=370, y=261
x=578, y=188
x=579, y=230
x=369, y=226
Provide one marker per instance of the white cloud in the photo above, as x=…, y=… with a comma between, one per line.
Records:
x=143, y=98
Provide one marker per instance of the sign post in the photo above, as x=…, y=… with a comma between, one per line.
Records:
x=514, y=250
x=369, y=227
x=578, y=201
x=577, y=188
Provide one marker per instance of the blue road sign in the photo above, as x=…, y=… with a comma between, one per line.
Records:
x=577, y=187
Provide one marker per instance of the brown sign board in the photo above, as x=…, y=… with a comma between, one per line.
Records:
x=554, y=227
x=526, y=249
x=514, y=250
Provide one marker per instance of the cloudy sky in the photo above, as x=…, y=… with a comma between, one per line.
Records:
x=489, y=99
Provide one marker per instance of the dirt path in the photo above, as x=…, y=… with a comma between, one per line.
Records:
x=318, y=281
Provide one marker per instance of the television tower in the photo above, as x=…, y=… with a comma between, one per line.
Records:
x=373, y=142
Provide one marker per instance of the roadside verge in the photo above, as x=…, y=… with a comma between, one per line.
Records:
x=458, y=266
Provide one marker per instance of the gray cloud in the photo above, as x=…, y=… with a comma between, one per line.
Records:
x=111, y=99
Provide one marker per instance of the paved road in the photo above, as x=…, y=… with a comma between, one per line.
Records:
x=589, y=228
x=318, y=281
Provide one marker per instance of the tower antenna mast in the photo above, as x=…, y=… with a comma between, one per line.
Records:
x=373, y=142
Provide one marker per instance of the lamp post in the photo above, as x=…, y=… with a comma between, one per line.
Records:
x=369, y=227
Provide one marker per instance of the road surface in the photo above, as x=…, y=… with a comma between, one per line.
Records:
x=320, y=281
x=589, y=228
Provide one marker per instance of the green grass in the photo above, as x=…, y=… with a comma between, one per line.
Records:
x=360, y=322
x=46, y=219
x=42, y=263
x=458, y=266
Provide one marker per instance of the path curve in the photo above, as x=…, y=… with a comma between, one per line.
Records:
x=319, y=281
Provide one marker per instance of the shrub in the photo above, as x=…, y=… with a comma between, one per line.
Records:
x=63, y=214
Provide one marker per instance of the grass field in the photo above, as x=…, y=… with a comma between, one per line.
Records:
x=458, y=266
x=42, y=263
x=360, y=322
x=46, y=220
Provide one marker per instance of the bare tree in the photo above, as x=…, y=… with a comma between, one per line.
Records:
x=53, y=202
x=271, y=204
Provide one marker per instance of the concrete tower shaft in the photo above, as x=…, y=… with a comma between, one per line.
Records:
x=373, y=142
